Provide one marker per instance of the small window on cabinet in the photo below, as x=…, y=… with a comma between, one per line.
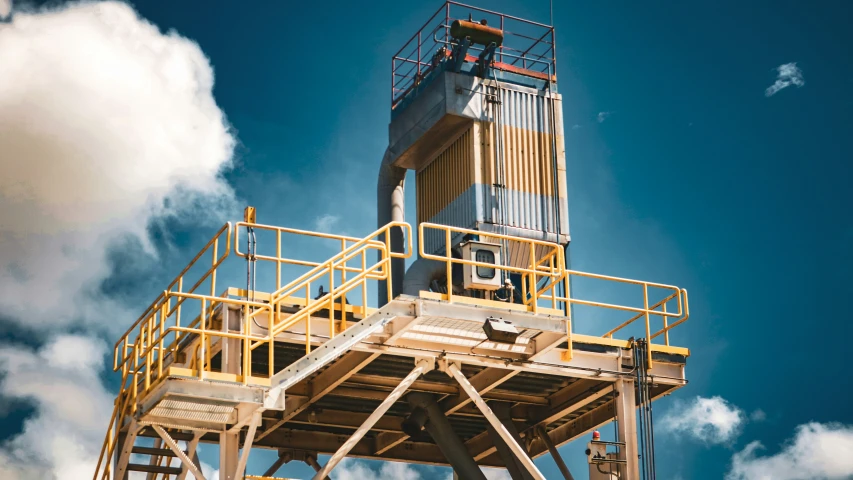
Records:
x=485, y=256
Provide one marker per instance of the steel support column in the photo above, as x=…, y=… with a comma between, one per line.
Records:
x=626, y=425
x=438, y=427
x=229, y=450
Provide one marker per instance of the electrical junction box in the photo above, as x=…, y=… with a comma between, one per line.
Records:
x=500, y=331
x=481, y=277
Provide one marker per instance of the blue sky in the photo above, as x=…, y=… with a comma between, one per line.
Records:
x=681, y=169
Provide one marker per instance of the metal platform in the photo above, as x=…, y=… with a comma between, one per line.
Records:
x=416, y=380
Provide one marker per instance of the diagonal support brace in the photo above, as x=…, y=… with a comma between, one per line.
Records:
x=185, y=460
x=454, y=371
x=422, y=366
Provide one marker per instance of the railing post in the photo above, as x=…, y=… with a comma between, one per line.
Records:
x=535, y=287
x=332, y=300
x=665, y=326
x=343, y=281
x=363, y=284
x=648, y=329
x=213, y=267
x=387, y=260
x=202, y=339
x=278, y=259
x=178, y=308
x=447, y=254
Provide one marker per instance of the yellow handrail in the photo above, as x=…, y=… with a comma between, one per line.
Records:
x=159, y=337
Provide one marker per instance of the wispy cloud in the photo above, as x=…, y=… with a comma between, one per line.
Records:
x=787, y=74
x=758, y=415
x=602, y=116
x=709, y=420
x=817, y=450
x=326, y=223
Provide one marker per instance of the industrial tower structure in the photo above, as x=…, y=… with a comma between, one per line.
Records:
x=478, y=354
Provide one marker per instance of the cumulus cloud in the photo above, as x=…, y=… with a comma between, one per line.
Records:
x=103, y=119
x=602, y=116
x=63, y=438
x=710, y=420
x=817, y=451
x=106, y=124
x=787, y=74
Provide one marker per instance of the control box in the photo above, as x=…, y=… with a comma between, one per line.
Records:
x=481, y=276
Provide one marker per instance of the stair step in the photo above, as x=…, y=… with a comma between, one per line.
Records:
x=135, y=467
x=162, y=452
x=150, y=433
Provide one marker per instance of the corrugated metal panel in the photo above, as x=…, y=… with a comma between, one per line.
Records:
x=466, y=186
x=527, y=148
x=446, y=178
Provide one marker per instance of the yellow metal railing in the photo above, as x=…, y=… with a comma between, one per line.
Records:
x=160, y=338
x=658, y=309
x=548, y=266
x=546, y=275
x=184, y=325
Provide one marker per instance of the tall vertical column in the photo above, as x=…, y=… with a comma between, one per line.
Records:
x=626, y=423
x=232, y=360
x=229, y=453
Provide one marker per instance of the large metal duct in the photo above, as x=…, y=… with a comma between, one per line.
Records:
x=391, y=207
x=420, y=275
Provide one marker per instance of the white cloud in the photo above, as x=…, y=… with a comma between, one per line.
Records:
x=105, y=125
x=817, y=451
x=757, y=415
x=710, y=420
x=602, y=116
x=496, y=474
x=350, y=469
x=576, y=127
x=326, y=222
x=63, y=438
x=5, y=8
x=103, y=118
x=787, y=74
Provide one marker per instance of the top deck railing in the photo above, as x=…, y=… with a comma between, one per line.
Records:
x=184, y=324
x=527, y=46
